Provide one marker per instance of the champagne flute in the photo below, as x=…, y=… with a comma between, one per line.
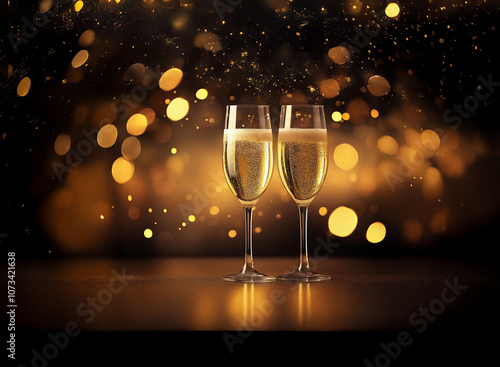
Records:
x=303, y=162
x=248, y=165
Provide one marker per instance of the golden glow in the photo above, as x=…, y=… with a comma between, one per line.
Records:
x=339, y=55
x=345, y=156
x=346, y=116
x=430, y=139
x=137, y=124
x=122, y=170
x=378, y=85
x=80, y=58
x=131, y=148
x=62, y=144
x=388, y=145
x=177, y=109
x=86, y=38
x=173, y=150
x=78, y=5
x=412, y=230
x=170, y=79
x=342, y=221
x=329, y=88
x=374, y=113
x=24, y=86
x=191, y=218
x=336, y=116
x=432, y=187
x=107, y=135
x=232, y=233
x=201, y=93
x=392, y=10
x=214, y=210
x=148, y=233
x=323, y=211
x=375, y=232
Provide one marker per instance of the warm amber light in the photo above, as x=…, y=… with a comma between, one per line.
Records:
x=201, y=94
x=62, y=144
x=232, y=233
x=24, y=86
x=80, y=58
x=148, y=233
x=177, y=109
x=342, y=221
x=131, y=148
x=137, y=124
x=388, y=145
x=170, y=79
x=375, y=232
x=107, y=135
x=78, y=5
x=378, y=85
x=392, y=10
x=122, y=170
x=345, y=156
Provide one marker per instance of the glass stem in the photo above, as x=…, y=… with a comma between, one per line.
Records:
x=248, y=240
x=304, y=259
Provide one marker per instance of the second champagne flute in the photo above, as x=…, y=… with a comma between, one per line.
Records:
x=303, y=162
x=248, y=166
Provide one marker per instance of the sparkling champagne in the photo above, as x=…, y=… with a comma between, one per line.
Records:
x=248, y=162
x=303, y=161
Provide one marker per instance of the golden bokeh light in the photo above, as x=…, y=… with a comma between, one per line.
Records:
x=24, y=86
x=191, y=218
x=80, y=58
x=201, y=94
x=148, y=233
x=86, y=38
x=345, y=156
x=62, y=144
x=107, y=135
x=387, y=144
x=323, y=211
x=131, y=148
x=232, y=233
x=329, y=88
x=342, y=221
x=392, y=10
x=337, y=116
x=170, y=79
x=137, y=124
x=374, y=113
x=339, y=55
x=177, y=109
x=78, y=5
x=432, y=187
x=214, y=210
x=378, y=86
x=122, y=170
x=376, y=232
x=430, y=139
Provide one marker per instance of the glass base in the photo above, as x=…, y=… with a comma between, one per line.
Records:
x=249, y=276
x=304, y=276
